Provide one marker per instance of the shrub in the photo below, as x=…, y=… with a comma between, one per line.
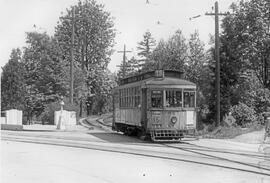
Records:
x=243, y=114
x=262, y=100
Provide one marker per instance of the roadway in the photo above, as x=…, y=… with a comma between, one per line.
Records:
x=98, y=155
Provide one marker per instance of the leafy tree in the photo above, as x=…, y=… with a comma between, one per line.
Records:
x=93, y=40
x=171, y=54
x=247, y=33
x=196, y=60
x=101, y=101
x=244, y=55
x=228, y=78
x=197, y=70
x=93, y=36
x=13, y=83
x=44, y=72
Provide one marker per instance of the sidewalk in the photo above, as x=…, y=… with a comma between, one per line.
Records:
x=39, y=127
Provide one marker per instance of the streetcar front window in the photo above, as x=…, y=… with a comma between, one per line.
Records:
x=173, y=98
x=189, y=99
x=157, y=98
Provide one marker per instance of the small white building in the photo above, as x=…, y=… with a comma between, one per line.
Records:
x=11, y=120
x=11, y=117
x=68, y=118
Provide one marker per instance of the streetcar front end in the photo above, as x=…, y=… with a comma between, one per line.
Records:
x=171, y=109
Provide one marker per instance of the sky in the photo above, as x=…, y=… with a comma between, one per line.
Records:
x=132, y=19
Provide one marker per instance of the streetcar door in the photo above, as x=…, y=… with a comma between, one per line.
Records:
x=144, y=108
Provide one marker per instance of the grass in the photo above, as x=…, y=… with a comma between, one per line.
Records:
x=229, y=132
x=224, y=132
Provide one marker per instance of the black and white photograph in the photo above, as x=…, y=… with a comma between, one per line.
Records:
x=135, y=91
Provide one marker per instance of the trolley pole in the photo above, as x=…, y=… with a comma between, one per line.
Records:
x=72, y=58
x=217, y=58
x=124, y=59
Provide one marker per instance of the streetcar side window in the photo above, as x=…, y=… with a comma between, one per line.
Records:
x=137, y=96
x=120, y=98
x=132, y=97
x=173, y=98
x=157, y=98
x=189, y=99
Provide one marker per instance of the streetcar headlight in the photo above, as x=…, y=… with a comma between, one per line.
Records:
x=174, y=119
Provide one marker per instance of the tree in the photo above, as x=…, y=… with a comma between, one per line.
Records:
x=101, y=100
x=93, y=36
x=244, y=53
x=171, y=54
x=93, y=40
x=196, y=60
x=247, y=33
x=145, y=47
x=197, y=70
x=44, y=76
x=131, y=68
x=13, y=83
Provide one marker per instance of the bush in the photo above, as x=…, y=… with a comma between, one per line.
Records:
x=262, y=100
x=243, y=114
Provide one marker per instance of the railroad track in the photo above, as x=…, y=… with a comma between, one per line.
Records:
x=96, y=123
x=184, y=152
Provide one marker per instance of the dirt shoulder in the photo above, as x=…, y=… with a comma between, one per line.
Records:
x=255, y=137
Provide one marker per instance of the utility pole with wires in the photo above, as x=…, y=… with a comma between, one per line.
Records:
x=72, y=58
x=217, y=58
x=72, y=19
x=124, y=66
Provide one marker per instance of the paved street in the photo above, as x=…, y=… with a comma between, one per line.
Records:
x=93, y=155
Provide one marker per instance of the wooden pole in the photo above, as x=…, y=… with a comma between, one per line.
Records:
x=72, y=58
x=217, y=43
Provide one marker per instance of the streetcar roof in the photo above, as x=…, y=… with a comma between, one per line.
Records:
x=166, y=82
x=164, y=79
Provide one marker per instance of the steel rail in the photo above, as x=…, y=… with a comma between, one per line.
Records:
x=99, y=148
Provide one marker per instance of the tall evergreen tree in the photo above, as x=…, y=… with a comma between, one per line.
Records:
x=145, y=47
x=131, y=67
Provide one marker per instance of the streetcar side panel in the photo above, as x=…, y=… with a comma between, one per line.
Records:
x=127, y=108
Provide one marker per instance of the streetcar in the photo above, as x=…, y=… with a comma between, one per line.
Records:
x=158, y=104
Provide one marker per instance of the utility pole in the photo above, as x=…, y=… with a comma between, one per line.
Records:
x=72, y=18
x=72, y=58
x=124, y=60
x=217, y=58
